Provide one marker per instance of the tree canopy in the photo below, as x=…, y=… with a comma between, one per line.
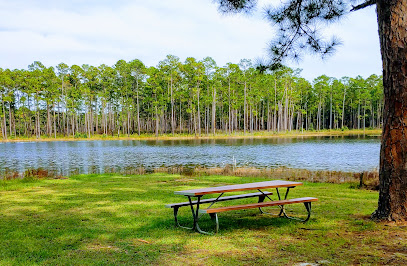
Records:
x=194, y=96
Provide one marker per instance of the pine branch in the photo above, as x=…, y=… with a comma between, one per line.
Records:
x=365, y=4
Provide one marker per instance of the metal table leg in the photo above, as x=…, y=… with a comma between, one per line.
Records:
x=307, y=207
x=282, y=210
x=195, y=215
x=261, y=199
x=194, y=212
x=176, y=219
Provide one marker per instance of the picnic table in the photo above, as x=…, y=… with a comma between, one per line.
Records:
x=196, y=209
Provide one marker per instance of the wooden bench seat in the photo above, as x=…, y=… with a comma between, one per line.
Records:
x=213, y=212
x=258, y=205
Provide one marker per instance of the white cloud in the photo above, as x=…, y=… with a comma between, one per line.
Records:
x=102, y=31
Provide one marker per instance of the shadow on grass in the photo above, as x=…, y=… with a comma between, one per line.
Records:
x=251, y=220
x=110, y=219
x=104, y=226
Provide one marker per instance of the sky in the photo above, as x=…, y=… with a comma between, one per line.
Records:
x=102, y=32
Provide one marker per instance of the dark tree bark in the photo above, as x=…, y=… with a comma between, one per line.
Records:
x=392, y=20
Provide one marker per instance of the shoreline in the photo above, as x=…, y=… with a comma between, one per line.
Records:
x=367, y=178
x=236, y=135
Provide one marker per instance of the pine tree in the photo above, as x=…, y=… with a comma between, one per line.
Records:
x=298, y=22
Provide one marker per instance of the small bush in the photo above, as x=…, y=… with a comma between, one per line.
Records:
x=80, y=135
x=369, y=180
x=10, y=175
x=35, y=174
x=188, y=171
x=30, y=175
x=40, y=173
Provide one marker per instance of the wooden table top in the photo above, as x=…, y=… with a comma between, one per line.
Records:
x=240, y=187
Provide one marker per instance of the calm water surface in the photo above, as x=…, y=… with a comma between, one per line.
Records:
x=326, y=153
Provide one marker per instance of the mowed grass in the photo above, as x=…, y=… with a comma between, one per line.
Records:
x=114, y=219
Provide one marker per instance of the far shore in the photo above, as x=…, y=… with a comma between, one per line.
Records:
x=235, y=135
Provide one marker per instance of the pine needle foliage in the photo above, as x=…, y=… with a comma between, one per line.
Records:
x=299, y=24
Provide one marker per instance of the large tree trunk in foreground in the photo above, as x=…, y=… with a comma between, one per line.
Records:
x=392, y=20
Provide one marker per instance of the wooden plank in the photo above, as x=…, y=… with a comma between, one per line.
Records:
x=240, y=187
x=258, y=205
x=242, y=196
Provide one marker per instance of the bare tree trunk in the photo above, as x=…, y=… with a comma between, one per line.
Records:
x=343, y=106
x=156, y=121
x=55, y=123
x=10, y=119
x=323, y=116
x=48, y=129
x=229, y=111
x=207, y=108
x=86, y=123
x=280, y=116
x=319, y=113
x=244, y=108
x=378, y=115
x=364, y=116
x=214, y=111
x=268, y=116
x=198, y=113
x=128, y=122
x=180, y=116
x=285, y=122
x=91, y=127
x=330, y=113
x=67, y=120
x=392, y=205
x=138, y=109
x=4, y=127
x=37, y=120
x=358, y=118
x=372, y=124
x=275, y=106
x=73, y=125
x=172, y=110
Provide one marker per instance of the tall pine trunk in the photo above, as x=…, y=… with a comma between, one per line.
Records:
x=229, y=110
x=198, y=118
x=156, y=121
x=4, y=127
x=138, y=113
x=55, y=122
x=343, y=107
x=172, y=110
x=214, y=111
x=244, y=108
x=392, y=20
x=330, y=112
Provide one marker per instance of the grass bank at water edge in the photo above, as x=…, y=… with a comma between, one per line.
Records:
x=116, y=219
x=168, y=136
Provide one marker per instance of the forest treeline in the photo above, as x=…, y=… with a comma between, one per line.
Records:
x=194, y=97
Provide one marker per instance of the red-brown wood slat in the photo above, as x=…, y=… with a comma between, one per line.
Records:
x=234, y=197
x=240, y=187
x=258, y=205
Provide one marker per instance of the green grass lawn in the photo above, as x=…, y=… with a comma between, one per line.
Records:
x=114, y=219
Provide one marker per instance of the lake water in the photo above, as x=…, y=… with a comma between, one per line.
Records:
x=319, y=153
